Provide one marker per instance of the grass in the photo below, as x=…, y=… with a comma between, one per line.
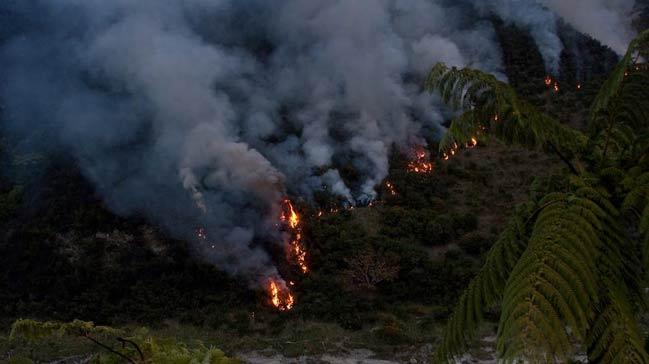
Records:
x=411, y=327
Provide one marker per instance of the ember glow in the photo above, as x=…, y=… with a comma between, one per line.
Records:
x=296, y=252
x=472, y=143
x=551, y=83
x=390, y=188
x=201, y=234
x=280, y=297
x=548, y=81
x=421, y=163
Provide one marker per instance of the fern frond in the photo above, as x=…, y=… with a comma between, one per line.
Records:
x=549, y=297
x=614, y=84
x=486, y=288
x=492, y=106
x=614, y=336
x=636, y=205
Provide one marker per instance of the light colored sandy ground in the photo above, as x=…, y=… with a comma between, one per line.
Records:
x=353, y=357
x=363, y=356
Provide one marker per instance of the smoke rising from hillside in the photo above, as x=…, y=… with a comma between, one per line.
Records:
x=206, y=112
x=608, y=21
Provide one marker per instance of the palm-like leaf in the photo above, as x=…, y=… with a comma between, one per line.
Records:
x=487, y=288
x=576, y=277
x=492, y=106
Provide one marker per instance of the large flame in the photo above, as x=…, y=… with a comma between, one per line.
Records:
x=296, y=251
x=421, y=163
x=280, y=297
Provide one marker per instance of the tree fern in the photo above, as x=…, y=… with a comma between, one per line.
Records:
x=576, y=272
x=486, y=289
x=615, y=82
x=636, y=204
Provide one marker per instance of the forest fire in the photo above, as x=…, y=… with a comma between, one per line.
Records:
x=280, y=298
x=421, y=163
x=296, y=251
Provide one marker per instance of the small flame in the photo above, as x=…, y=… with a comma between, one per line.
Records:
x=579, y=86
x=201, y=234
x=421, y=163
x=496, y=117
x=282, y=299
x=556, y=87
x=473, y=143
x=390, y=187
x=548, y=80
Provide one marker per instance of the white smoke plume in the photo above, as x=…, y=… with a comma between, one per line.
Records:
x=205, y=113
x=608, y=21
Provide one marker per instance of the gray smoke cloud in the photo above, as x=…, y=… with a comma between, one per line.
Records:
x=206, y=113
x=536, y=18
x=608, y=21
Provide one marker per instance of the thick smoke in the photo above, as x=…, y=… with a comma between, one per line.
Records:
x=205, y=113
x=536, y=18
x=608, y=21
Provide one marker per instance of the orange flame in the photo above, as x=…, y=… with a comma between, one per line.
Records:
x=296, y=250
x=421, y=163
x=556, y=87
x=473, y=143
x=282, y=299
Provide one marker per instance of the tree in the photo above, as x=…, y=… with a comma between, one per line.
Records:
x=569, y=269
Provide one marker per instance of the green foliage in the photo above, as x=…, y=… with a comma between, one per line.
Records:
x=572, y=273
x=616, y=82
x=34, y=330
x=491, y=106
x=138, y=347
